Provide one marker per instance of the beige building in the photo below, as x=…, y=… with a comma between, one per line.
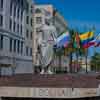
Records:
x=61, y=26
x=80, y=64
x=44, y=15
x=83, y=63
x=59, y=22
x=41, y=17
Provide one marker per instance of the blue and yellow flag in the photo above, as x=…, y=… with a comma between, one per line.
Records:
x=86, y=37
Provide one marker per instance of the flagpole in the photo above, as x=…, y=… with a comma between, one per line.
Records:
x=86, y=53
x=78, y=41
x=70, y=56
x=86, y=59
x=76, y=63
x=94, y=46
x=95, y=62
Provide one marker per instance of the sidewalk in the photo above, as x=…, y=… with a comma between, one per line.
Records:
x=61, y=80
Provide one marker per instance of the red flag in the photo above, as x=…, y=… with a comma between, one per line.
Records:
x=77, y=40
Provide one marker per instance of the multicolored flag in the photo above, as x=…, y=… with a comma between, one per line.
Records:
x=63, y=40
x=98, y=37
x=86, y=39
x=97, y=41
x=91, y=43
x=77, y=41
x=97, y=44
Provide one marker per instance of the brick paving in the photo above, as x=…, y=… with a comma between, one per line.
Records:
x=61, y=80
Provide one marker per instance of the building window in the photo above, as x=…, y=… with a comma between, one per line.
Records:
x=38, y=30
x=30, y=51
x=18, y=11
x=27, y=20
x=21, y=29
x=10, y=49
x=26, y=51
x=14, y=10
x=1, y=20
x=1, y=4
x=31, y=22
x=27, y=33
x=18, y=46
x=21, y=47
x=14, y=45
x=38, y=20
x=22, y=3
x=31, y=36
x=10, y=24
x=11, y=5
x=31, y=9
x=21, y=15
x=1, y=42
x=18, y=28
x=47, y=21
x=14, y=26
x=37, y=10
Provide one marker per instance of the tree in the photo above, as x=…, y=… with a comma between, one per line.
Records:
x=58, y=52
x=95, y=62
x=72, y=34
x=76, y=47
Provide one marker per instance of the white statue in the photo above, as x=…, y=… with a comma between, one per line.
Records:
x=49, y=36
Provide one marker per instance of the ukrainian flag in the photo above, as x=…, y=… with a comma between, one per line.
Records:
x=85, y=38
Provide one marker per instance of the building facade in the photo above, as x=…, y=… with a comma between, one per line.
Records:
x=16, y=35
x=59, y=22
x=45, y=15
x=60, y=63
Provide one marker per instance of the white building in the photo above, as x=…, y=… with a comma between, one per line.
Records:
x=15, y=19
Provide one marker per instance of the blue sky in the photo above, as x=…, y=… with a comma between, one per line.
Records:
x=81, y=14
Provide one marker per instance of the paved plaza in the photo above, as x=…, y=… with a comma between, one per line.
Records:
x=61, y=80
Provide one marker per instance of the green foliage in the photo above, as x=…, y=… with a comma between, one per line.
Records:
x=95, y=61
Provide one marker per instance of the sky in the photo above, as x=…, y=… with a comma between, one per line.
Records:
x=80, y=14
